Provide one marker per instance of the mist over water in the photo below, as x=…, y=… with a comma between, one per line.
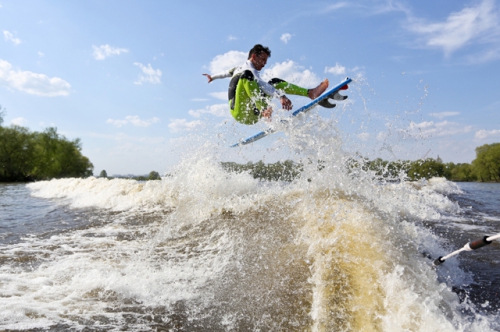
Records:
x=337, y=249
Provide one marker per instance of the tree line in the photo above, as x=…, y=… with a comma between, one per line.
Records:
x=279, y=171
x=485, y=168
x=153, y=175
x=31, y=156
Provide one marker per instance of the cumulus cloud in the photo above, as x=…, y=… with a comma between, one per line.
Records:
x=227, y=61
x=285, y=38
x=133, y=120
x=10, y=37
x=431, y=129
x=482, y=134
x=32, y=83
x=293, y=73
x=477, y=24
x=442, y=115
x=19, y=121
x=336, y=70
x=149, y=75
x=104, y=51
x=177, y=125
x=220, y=110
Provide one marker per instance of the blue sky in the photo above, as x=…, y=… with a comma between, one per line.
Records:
x=126, y=76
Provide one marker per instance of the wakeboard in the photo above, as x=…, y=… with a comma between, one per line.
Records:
x=327, y=99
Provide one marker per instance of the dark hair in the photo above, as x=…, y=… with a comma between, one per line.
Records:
x=258, y=49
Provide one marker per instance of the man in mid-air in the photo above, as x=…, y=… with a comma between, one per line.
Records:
x=249, y=95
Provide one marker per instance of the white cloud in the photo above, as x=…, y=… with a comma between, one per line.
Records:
x=19, y=121
x=293, y=73
x=177, y=125
x=134, y=120
x=150, y=75
x=337, y=70
x=430, y=129
x=200, y=99
x=442, y=115
x=32, y=83
x=285, y=38
x=227, y=61
x=10, y=37
x=482, y=134
x=104, y=51
x=220, y=110
x=471, y=25
x=40, y=54
x=219, y=95
x=231, y=37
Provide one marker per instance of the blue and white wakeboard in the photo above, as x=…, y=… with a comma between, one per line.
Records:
x=323, y=100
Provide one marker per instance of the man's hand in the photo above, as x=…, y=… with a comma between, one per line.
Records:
x=286, y=103
x=209, y=77
x=267, y=113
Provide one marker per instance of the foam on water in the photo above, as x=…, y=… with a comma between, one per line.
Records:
x=365, y=270
x=203, y=249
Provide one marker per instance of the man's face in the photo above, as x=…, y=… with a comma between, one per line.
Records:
x=259, y=61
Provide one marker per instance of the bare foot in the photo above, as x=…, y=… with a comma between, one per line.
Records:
x=317, y=91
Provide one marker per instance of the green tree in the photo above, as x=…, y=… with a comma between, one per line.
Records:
x=103, y=174
x=461, y=172
x=26, y=156
x=427, y=168
x=487, y=163
x=153, y=175
x=57, y=157
x=17, y=154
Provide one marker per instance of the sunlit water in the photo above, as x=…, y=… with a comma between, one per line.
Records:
x=206, y=250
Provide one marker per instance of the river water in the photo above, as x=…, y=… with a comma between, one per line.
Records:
x=209, y=251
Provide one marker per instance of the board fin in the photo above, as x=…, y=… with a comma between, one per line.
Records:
x=326, y=103
x=336, y=96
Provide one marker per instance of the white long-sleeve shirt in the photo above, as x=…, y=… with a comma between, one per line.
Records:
x=264, y=86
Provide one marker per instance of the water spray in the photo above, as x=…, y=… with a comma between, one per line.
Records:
x=468, y=247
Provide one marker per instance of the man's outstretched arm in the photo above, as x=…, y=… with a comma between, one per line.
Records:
x=225, y=74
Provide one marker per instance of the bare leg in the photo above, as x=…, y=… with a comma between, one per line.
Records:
x=317, y=91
